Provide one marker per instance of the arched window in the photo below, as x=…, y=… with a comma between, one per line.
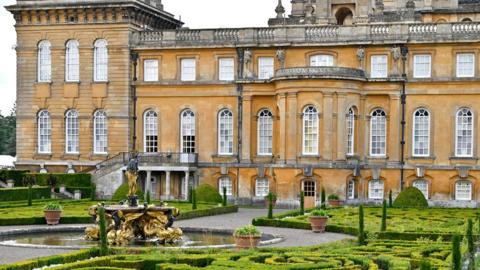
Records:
x=72, y=62
x=351, y=189
x=422, y=185
x=225, y=182
x=44, y=61
x=375, y=189
x=351, y=132
x=71, y=132
x=310, y=131
x=187, y=123
x=464, y=133
x=321, y=60
x=466, y=20
x=100, y=60
x=225, y=132
x=44, y=132
x=265, y=133
x=421, y=133
x=150, y=131
x=100, y=132
x=261, y=187
x=463, y=191
x=378, y=133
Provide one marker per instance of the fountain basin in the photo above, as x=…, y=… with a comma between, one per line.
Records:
x=72, y=238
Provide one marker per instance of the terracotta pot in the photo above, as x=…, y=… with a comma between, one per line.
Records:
x=52, y=217
x=244, y=242
x=335, y=203
x=318, y=223
x=274, y=202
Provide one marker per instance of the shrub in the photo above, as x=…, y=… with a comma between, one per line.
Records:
x=318, y=213
x=361, y=226
x=103, y=232
x=333, y=197
x=207, y=193
x=270, y=205
x=68, y=180
x=411, y=197
x=52, y=206
x=384, y=216
x=224, y=198
x=122, y=192
x=390, y=199
x=248, y=230
x=29, y=203
x=21, y=194
x=302, y=203
x=456, y=253
x=274, y=196
x=194, y=199
x=323, y=198
x=470, y=238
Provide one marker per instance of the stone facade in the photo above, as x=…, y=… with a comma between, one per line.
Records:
x=347, y=32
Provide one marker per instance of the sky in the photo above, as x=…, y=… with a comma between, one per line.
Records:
x=195, y=14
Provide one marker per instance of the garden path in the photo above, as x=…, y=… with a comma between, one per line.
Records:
x=231, y=221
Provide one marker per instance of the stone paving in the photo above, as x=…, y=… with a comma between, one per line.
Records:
x=228, y=221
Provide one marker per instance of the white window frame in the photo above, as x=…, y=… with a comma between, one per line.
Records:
x=422, y=185
x=351, y=189
x=379, y=66
x=422, y=66
x=375, y=191
x=100, y=61
x=465, y=71
x=72, y=61
x=262, y=187
x=466, y=122
x=225, y=181
x=72, y=132
x=417, y=137
x=461, y=192
x=321, y=60
x=188, y=69
x=225, y=132
x=44, y=130
x=44, y=65
x=310, y=121
x=375, y=125
x=265, y=133
x=351, y=132
x=266, y=67
x=150, y=131
x=150, y=70
x=226, y=69
x=187, y=132
x=100, y=132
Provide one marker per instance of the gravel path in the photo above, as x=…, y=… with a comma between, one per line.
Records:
x=228, y=221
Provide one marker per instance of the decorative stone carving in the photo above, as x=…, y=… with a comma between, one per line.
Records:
x=247, y=64
x=308, y=171
x=376, y=173
x=463, y=172
x=281, y=57
x=280, y=10
x=323, y=72
x=396, y=55
x=361, y=58
x=420, y=172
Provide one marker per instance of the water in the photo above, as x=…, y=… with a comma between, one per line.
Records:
x=77, y=239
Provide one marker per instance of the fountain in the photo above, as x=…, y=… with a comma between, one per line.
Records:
x=127, y=222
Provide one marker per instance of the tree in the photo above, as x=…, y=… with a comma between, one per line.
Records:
x=384, y=216
x=456, y=253
x=361, y=226
x=8, y=133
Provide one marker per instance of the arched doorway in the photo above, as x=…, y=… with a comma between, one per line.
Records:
x=344, y=16
x=309, y=189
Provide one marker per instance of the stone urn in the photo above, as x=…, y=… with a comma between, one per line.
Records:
x=335, y=203
x=318, y=221
x=246, y=242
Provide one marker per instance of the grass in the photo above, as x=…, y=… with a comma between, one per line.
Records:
x=436, y=220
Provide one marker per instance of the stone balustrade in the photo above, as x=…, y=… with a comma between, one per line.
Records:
x=329, y=34
x=320, y=72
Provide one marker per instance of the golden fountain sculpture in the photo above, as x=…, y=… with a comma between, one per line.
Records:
x=132, y=222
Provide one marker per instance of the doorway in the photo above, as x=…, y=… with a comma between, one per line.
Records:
x=309, y=189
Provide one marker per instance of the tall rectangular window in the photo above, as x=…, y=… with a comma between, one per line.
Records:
x=422, y=66
x=378, y=133
x=150, y=70
x=44, y=61
x=310, y=131
x=188, y=69
x=379, y=66
x=351, y=132
x=100, y=59
x=226, y=69
x=421, y=133
x=265, y=67
x=71, y=133
x=225, y=132
x=44, y=132
x=150, y=131
x=100, y=132
x=465, y=65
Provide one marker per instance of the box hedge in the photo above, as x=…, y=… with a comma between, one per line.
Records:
x=16, y=175
x=207, y=193
x=65, y=179
x=410, y=197
x=19, y=194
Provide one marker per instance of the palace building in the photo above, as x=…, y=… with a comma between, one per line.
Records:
x=357, y=97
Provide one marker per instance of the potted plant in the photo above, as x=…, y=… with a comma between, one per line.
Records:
x=334, y=200
x=53, y=212
x=274, y=199
x=247, y=237
x=318, y=220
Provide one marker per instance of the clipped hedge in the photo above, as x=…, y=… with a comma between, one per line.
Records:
x=68, y=180
x=208, y=212
x=19, y=194
x=207, y=193
x=16, y=175
x=410, y=197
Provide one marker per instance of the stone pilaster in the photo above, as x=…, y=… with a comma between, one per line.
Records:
x=292, y=128
x=393, y=139
x=362, y=133
x=246, y=129
x=327, y=134
x=341, y=127
x=281, y=103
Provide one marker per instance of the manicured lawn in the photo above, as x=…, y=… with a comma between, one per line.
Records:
x=434, y=220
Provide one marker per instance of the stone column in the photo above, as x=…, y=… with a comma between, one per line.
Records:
x=341, y=127
x=281, y=102
x=167, y=185
x=393, y=120
x=292, y=128
x=148, y=185
x=246, y=128
x=187, y=179
x=327, y=134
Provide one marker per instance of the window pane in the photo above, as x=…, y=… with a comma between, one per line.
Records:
x=464, y=133
x=265, y=68
x=309, y=188
x=150, y=70
x=378, y=133
x=375, y=189
x=351, y=132
x=351, y=190
x=226, y=69
x=265, y=133
x=463, y=191
x=225, y=132
x=421, y=133
x=261, y=187
x=44, y=132
x=72, y=133
x=101, y=61
x=188, y=70
x=100, y=132
x=422, y=65
x=321, y=60
x=225, y=182
x=72, y=65
x=44, y=62
x=379, y=66
x=422, y=185
x=465, y=65
x=150, y=128
x=310, y=131
x=188, y=132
